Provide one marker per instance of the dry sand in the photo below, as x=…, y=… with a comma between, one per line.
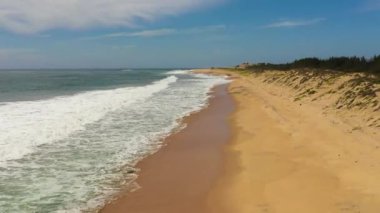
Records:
x=292, y=157
x=293, y=150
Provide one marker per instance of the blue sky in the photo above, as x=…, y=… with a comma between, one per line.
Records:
x=182, y=33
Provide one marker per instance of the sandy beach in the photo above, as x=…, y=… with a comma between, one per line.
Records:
x=189, y=106
x=290, y=157
x=179, y=177
x=271, y=154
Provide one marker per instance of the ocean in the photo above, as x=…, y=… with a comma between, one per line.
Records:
x=69, y=139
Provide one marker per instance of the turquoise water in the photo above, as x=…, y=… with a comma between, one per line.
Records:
x=70, y=137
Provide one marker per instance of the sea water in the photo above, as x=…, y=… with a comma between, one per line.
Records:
x=69, y=138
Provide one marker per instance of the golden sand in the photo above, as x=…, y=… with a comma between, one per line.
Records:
x=294, y=157
x=301, y=143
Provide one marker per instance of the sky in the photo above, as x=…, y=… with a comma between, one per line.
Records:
x=182, y=33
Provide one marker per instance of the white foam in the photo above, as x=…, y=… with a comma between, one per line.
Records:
x=178, y=72
x=86, y=168
x=126, y=70
x=26, y=125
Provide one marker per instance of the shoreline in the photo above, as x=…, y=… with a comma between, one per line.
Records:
x=286, y=156
x=281, y=155
x=179, y=176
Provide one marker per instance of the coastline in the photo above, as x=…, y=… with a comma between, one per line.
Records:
x=180, y=175
x=280, y=155
x=286, y=156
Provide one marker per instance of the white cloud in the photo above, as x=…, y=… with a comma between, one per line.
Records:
x=32, y=16
x=163, y=32
x=144, y=33
x=204, y=29
x=293, y=23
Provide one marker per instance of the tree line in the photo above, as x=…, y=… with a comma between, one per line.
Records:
x=345, y=64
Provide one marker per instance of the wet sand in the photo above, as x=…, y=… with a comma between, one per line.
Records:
x=180, y=175
x=273, y=155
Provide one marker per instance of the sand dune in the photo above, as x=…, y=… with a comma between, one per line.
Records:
x=302, y=143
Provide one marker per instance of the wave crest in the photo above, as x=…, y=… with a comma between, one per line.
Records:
x=28, y=124
x=178, y=72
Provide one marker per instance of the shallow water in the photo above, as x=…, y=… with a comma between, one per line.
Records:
x=69, y=137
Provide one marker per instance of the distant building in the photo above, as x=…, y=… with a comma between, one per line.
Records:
x=243, y=65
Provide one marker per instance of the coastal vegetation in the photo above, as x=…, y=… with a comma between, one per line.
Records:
x=345, y=64
x=345, y=85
